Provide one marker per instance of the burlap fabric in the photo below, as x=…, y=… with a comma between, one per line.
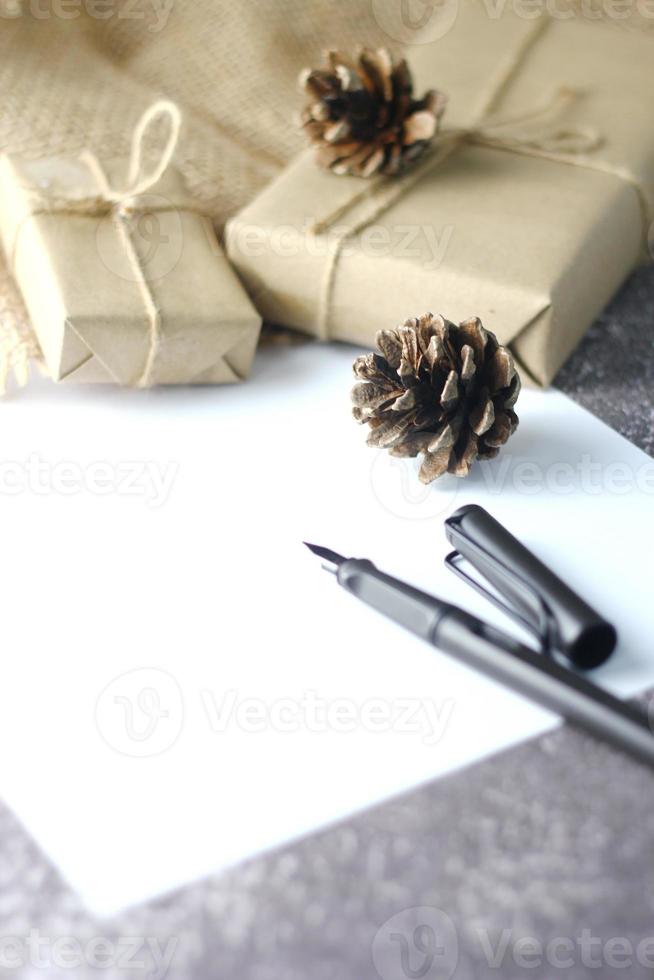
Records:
x=78, y=75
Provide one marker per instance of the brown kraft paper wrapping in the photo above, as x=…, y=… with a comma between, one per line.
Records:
x=85, y=297
x=533, y=245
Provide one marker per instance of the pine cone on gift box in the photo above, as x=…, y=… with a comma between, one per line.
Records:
x=440, y=389
x=362, y=116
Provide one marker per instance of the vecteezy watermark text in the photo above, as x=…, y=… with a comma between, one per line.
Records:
x=424, y=243
x=155, y=12
x=312, y=713
x=152, y=481
x=565, y=952
x=142, y=956
x=585, y=475
x=610, y=10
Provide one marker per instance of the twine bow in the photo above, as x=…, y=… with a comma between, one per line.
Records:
x=121, y=203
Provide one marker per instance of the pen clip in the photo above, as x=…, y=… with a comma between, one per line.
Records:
x=542, y=629
x=526, y=589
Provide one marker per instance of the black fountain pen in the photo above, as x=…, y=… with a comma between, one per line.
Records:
x=496, y=654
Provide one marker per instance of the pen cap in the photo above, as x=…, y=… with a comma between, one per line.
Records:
x=536, y=596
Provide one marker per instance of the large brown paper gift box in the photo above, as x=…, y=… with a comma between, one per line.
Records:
x=534, y=246
x=86, y=298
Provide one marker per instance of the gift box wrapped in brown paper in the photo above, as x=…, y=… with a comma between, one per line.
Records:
x=533, y=240
x=140, y=299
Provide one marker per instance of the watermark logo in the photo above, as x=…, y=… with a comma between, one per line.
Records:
x=415, y=21
x=154, y=241
x=422, y=944
x=141, y=713
x=419, y=943
x=395, y=484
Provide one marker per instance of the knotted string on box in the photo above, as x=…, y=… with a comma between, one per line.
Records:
x=121, y=203
x=571, y=146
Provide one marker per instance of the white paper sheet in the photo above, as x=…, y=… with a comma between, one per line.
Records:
x=183, y=685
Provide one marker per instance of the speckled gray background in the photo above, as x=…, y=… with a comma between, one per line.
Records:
x=552, y=840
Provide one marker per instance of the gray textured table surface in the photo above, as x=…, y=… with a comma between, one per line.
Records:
x=551, y=840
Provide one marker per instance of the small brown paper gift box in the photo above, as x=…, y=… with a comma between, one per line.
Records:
x=534, y=243
x=92, y=300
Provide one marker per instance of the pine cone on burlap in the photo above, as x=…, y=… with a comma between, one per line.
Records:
x=440, y=389
x=362, y=116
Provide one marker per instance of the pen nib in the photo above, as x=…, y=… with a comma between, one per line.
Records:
x=330, y=559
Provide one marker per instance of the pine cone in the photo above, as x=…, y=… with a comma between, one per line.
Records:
x=436, y=388
x=363, y=117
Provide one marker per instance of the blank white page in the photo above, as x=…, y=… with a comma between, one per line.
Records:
x=184, y=686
